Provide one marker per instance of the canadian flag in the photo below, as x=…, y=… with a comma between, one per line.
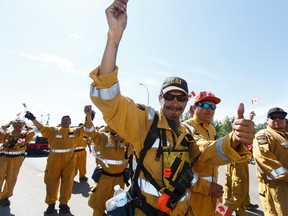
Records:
x=222, y=209
x=192, y=94
x=255, y=100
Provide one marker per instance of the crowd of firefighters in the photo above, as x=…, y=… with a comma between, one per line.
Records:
x=114, y=165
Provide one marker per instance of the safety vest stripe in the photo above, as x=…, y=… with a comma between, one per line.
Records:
x=89, y=129
x=105, y=94
x=220, y=151
x=79, y=148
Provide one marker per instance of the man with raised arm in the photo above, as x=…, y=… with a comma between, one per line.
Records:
x=164, y=174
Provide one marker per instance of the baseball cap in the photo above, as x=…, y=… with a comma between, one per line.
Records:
x=206, y=95
x=276, y=110
x=174, y=83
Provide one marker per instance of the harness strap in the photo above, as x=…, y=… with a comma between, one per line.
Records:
x=138, y=200
x=149, y=140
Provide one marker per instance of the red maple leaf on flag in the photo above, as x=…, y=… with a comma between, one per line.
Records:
x=192, y=94
x=24, y=104
x=222, y=209
x=255, y=100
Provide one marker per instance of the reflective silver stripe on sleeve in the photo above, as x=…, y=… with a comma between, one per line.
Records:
x=208, y=178
x=280, y=171
x=151, y=113
x=220, y=151
x=79, y=148
x=105, y=94
x=261, y=172
x=89, y=129
x=195, y=178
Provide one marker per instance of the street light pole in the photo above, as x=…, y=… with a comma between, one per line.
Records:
x=146, y=90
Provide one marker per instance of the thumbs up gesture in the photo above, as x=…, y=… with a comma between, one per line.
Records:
x=244, y=131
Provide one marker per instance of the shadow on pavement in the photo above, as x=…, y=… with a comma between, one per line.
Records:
x=56, y=214
x=81, y=187
x=5, y=211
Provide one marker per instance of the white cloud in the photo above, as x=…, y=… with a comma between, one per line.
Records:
x=75, y=36
x=160, y=61
x=62, y=63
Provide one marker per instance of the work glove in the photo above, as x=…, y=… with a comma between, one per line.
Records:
x=30, y=116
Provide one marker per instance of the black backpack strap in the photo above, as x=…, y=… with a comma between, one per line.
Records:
x=128, y=172
x=149, y=141
x=138, y=200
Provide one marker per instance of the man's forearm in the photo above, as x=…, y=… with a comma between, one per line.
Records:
x=37, y=124
x=108, y=63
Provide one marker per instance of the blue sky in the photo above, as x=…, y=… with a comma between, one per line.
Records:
x=235, y=49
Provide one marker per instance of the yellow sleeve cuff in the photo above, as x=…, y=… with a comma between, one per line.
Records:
x=105, y=80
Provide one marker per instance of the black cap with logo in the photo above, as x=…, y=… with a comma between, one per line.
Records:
x=174, y=83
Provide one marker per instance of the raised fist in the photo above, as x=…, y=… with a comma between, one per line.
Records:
x=30, y=116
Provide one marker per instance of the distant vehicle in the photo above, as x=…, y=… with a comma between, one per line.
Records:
x=38, y=143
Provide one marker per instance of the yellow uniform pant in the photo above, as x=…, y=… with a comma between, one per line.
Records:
x=102, y=192
x=59, y=171
x=9, y=170
x=80, y=163
x=273, y=197
x=236, y=188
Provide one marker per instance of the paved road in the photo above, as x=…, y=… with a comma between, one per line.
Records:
x=29, y=192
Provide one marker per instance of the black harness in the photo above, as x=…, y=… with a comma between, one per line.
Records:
x=182, y=182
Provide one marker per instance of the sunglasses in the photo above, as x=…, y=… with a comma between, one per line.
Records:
x=206, y=105
x=180, y=98
x=274, y=117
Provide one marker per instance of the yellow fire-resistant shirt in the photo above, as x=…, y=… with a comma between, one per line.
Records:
x=207, y=173
x=270, y=150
